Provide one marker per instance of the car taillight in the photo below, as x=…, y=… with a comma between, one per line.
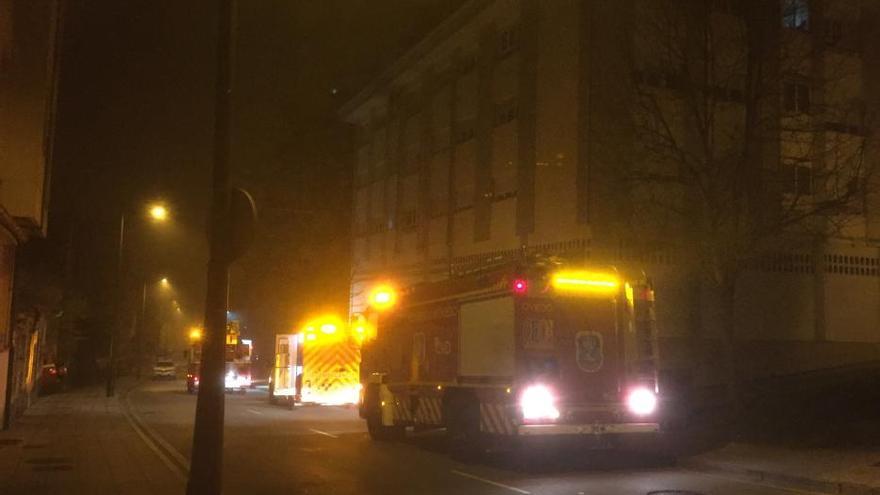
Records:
x=641, y=401
x=538, y=402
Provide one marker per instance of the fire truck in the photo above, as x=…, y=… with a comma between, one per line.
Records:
x=320, y=364
x=525, y=350
x=286, y=379
x=238, y=353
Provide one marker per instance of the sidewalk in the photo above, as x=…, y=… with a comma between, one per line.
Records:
x=835, y=471
x=81, y=442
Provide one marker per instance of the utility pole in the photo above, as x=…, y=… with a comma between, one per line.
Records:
x=117, y=325
x=206, y=466
x=141, y=333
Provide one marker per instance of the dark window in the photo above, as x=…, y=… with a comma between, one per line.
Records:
x=464, y=131
x=798, y=177
x=408, y=220
x=505, y=112
x=796, y=14
x=833, y=32
x=796, y=97
x=467, y=64
x=803, y=179
x=507, y=41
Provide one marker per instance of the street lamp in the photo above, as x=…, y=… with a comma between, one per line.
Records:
x=142, y=327
x=195, y=334
x=158, y=213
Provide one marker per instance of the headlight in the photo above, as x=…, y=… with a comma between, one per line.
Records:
x=537, y=402
x=641, y=401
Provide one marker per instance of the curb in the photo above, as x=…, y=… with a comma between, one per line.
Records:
x=781, y=480
x=176, y=462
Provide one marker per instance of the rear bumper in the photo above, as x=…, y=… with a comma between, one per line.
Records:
x=587, y=429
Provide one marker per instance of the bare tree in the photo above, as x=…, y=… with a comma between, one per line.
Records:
x=751, y=134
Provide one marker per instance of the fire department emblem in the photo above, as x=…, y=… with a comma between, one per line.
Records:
x=589, y=351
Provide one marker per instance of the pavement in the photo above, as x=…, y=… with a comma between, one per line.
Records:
x=81, y=442
x=139, y=443
x=834, y=471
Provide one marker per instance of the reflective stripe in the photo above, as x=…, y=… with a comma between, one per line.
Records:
x=428, y=411
x=494, y=419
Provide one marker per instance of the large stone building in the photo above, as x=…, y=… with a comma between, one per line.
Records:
x=514, y=126
x=29, y=34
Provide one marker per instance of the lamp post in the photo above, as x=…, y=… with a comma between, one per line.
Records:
x=158, y=213
x=142, y=318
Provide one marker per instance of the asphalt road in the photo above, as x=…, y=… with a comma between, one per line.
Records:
x=326, y=450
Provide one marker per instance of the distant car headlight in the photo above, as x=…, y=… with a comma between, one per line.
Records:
x=537, y=402
x=641, y=401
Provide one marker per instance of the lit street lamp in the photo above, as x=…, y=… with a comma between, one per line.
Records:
x=158, y=213
x=142, y=327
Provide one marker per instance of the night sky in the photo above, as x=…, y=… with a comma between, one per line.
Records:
x=135, y=120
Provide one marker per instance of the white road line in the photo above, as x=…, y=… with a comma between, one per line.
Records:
x=181, y=459
x=319, y=432
x=254, y=411
x=156, y=450
x=494, y=483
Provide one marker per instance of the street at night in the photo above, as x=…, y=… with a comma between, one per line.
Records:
x=388, y=247
x=326, y=450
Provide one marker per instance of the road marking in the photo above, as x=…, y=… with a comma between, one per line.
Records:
x=156, y=450
x=182, y=461
x=494, y=483
x=319, y=432
x=255, y=411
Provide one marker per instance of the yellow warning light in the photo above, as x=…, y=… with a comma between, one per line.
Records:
x=328, y=328
x=311, y=336
x=585, y=282
x=383, y=297
x=195, y=334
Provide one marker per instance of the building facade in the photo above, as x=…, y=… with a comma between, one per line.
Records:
x=29, y=34
x=506, y=129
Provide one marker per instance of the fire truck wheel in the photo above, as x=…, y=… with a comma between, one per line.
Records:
x=383, y=433
x=465, y=442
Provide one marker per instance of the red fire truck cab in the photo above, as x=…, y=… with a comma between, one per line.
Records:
x=536, y=349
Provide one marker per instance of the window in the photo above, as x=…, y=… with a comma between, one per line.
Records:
x=796, y=14
x=796, y=97
x=507, y=41
x=505, y=112
x=798, y=176
x=466, y=64
x=408, y=220
x=464, y=131
x=833, y=32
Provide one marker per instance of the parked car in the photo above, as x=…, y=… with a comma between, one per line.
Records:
x=51, y=378
x=164, y=369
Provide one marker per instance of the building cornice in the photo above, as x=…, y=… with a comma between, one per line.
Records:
x=440, y=34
